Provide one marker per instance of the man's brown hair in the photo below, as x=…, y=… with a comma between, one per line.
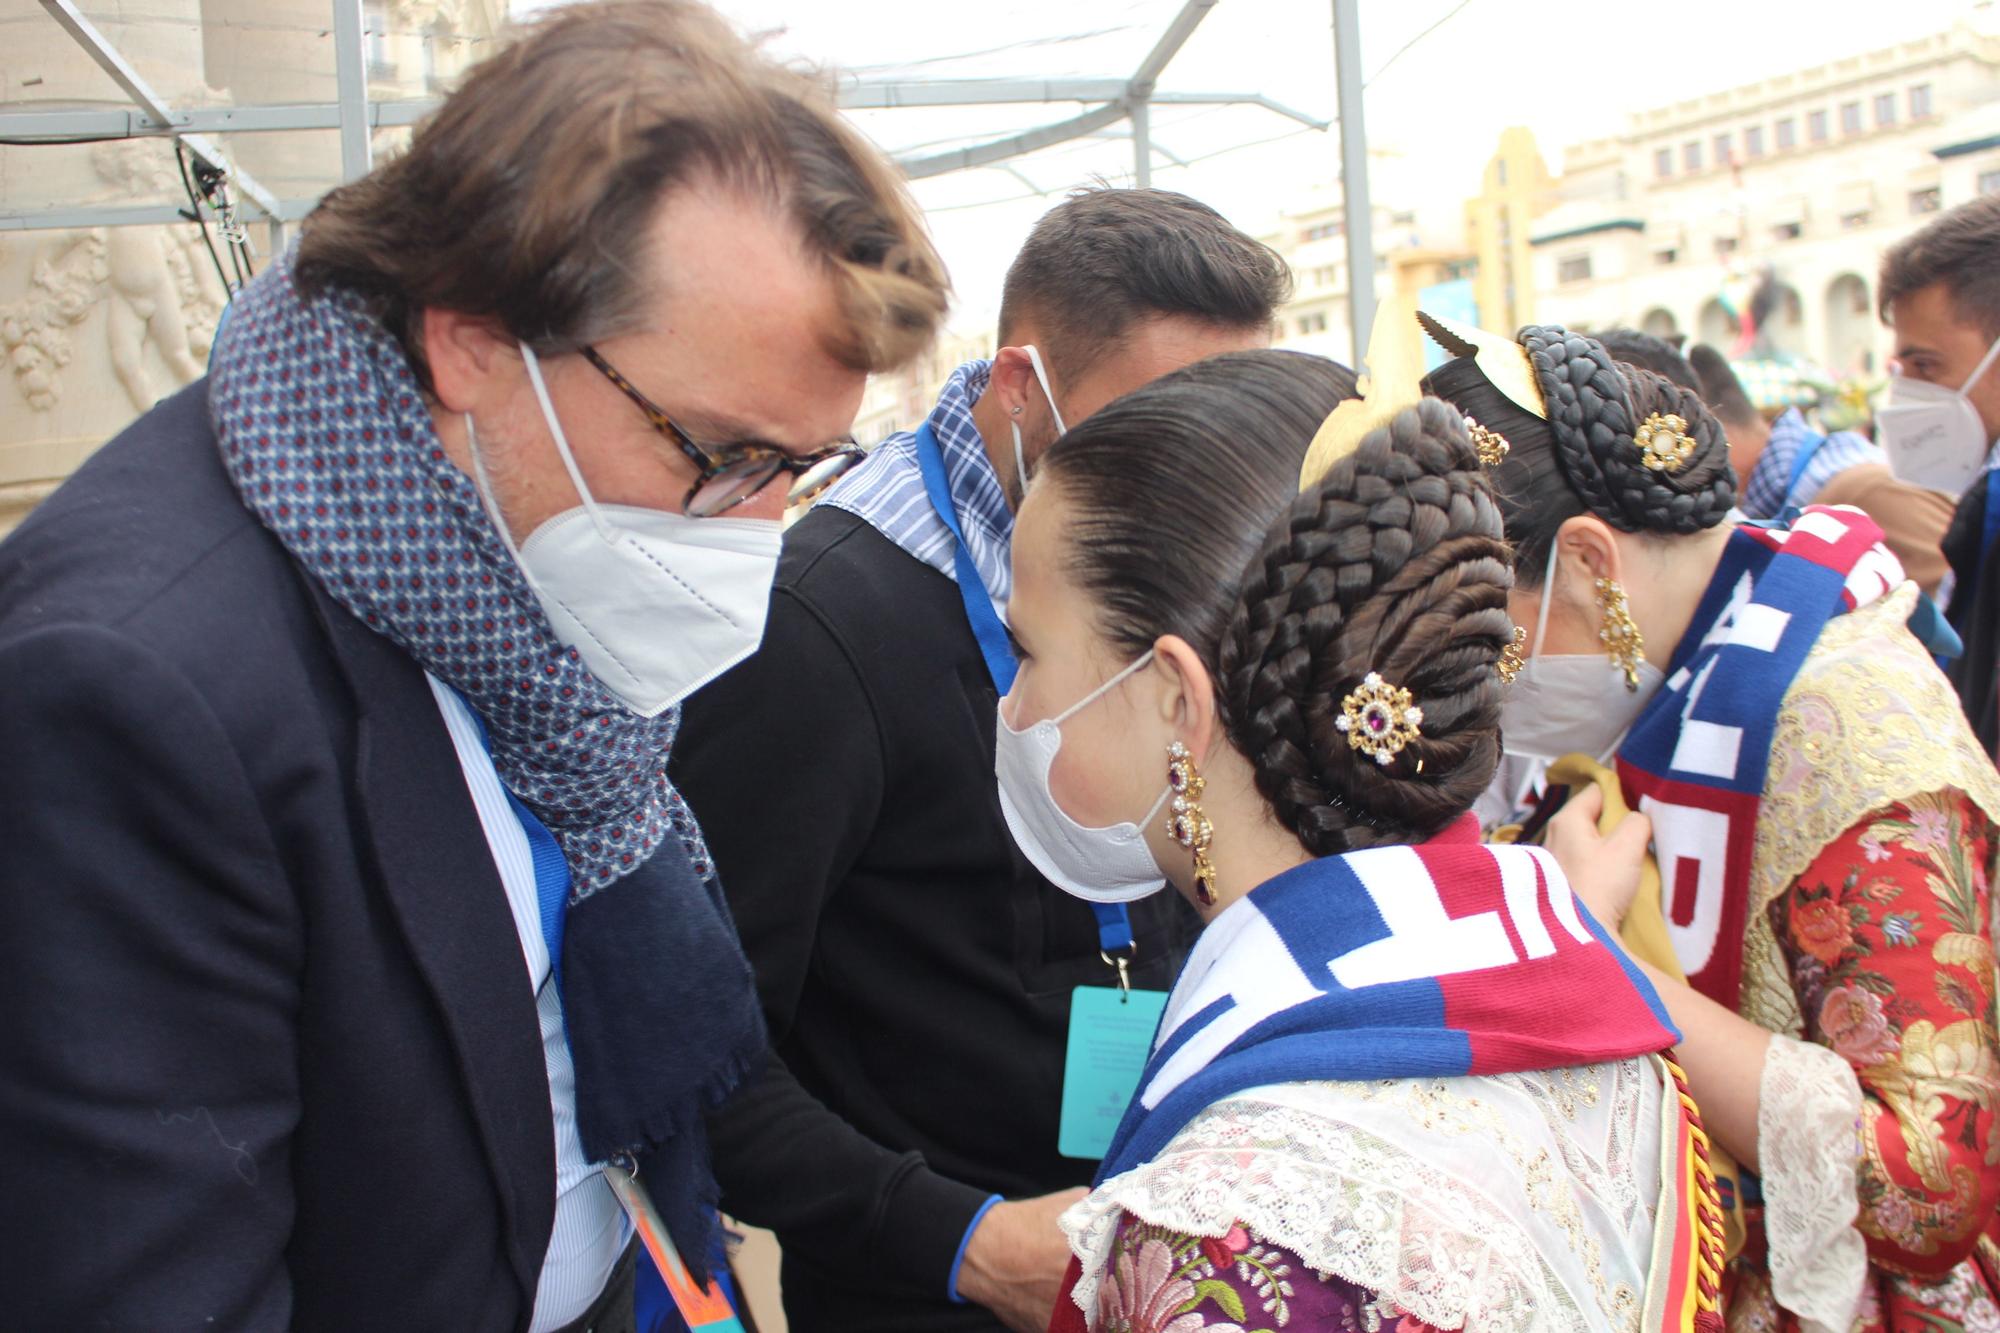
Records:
x=528, y=195
x=1103, y=260
x=1960, y=249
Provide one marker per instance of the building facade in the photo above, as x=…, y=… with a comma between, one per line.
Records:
x=1772, y=201
x=98, y=323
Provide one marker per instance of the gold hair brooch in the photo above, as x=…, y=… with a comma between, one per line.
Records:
x=1379, y=719
x=1664, y=444
x=1489, y=444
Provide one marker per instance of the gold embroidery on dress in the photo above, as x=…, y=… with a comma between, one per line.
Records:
x=1868, y=722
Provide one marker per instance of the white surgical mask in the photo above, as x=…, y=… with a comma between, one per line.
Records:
x=1933, y=434
x=656, y=604
x=1042, y=378
x=1098, y=865
x=1570, y=703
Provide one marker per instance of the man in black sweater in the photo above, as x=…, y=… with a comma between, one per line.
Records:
x=916, y=971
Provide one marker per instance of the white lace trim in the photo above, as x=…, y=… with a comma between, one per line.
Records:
x=1809, y=1149
x=1514, y=1203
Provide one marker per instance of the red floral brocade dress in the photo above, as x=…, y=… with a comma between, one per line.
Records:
x=1886, y=941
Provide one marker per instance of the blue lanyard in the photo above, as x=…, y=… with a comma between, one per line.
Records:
x=1991, y=527
x=1114, y=923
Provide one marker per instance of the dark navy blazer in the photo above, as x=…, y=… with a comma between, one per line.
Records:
x=268, y=1057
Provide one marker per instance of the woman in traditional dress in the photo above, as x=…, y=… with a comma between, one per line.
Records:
x=1402, y=1081
x=1822, y=822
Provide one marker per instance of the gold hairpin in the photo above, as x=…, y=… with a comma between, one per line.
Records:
x=1379, y=719
x=1394, y=381
x=1489, y=444
x=1503, y=361
x=1664, y=444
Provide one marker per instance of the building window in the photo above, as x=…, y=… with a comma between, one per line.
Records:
x=1854, y=221
x=1920, y=101
x=1500, y=169
x=1663, y=163
x=1885, y=110
x=1926, y=201
x=1666, y=258
x=1725, y=245
x=1753, y=141
x=1691, y=156
x=1725, y=151
x=1313, y=323
x=1788, y=231
x=1989, y=182
x=1573, y=268
x=1324, y=231
x=1788, y=135
x=1816, y=126
x=375, y=42
x=1850, y=117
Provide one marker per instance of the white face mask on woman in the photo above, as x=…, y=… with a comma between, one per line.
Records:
x=1933, y=434
x=1570, y=703
x=1098, y=865
x=656, y=604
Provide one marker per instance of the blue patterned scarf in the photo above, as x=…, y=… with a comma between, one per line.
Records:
x=327, y=437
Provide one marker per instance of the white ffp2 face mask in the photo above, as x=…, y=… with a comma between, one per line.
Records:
x=656, y=604
x=1570, y=703
x=1098, y=865
x=1042, y=378
x=1932, y=434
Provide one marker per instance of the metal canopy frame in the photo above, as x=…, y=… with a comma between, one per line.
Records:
x=1110, y=101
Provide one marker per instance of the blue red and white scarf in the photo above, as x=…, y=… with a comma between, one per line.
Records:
x=1695, y=760
x=1448, y=958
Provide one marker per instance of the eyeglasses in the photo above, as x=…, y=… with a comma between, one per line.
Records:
x=727, y=480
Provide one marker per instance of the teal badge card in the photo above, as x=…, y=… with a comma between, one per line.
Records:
x=1110, y=1036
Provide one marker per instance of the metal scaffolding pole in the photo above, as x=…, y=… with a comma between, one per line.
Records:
x=1354, y=173
x=94, y=44
x=351, y=88
x=1142, y=145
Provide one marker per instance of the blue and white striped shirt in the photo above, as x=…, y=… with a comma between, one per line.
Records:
x=887, y=490
x=590, y=1230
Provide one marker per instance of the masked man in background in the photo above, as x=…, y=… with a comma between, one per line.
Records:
x=915, y=1139
x=349, y=923
x=1941, y=296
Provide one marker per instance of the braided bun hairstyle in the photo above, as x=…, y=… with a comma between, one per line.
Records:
x=1583, y=457
x=1186, y=518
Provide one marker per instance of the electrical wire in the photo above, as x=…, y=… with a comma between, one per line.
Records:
x=194, y=215
x=1403, y=50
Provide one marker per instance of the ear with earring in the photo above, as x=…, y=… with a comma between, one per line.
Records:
x=1620, y=634
x=1187, y=824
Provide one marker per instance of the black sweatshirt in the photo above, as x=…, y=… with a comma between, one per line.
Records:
x=1975, y=614
x=915, y=969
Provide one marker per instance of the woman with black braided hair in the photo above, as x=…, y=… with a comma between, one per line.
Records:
x=1821, y=817
x=1403, y=1081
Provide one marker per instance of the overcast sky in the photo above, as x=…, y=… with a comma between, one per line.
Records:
x=1435, y=105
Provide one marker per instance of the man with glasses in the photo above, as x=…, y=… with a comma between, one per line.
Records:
x=360, y=964
x=908, y=1142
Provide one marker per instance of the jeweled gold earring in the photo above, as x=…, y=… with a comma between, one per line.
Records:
x=1620, y=633
x=1512, y=659
x=1187, y=825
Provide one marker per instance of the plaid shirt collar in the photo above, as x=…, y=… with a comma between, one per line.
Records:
x=887, y=491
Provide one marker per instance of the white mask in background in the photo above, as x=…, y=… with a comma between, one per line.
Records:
x=1098, y=865
x=1933, y=434
x=1570, y=703
x=656, y=604
x=1041, y=377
